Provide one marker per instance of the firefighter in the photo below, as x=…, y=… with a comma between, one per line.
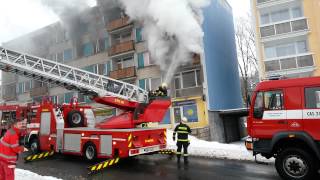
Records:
x=9, y=150
x=183, y=131
x=162, y=90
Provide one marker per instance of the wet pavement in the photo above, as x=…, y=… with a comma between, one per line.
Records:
x=155, y=167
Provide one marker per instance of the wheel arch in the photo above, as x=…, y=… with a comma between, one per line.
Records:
x=294, y=139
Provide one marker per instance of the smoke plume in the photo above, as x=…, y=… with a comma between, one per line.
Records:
x=172, y=29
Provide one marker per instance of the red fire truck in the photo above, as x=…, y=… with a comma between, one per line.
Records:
x=284, y=123
x=12, y=113
x=71, y=128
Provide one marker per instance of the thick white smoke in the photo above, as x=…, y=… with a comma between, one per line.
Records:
x=172, y=29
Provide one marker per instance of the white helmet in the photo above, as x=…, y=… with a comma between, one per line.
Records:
x=184, y=119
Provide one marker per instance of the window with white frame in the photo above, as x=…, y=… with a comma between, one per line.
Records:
x=187, y=79
x=281, y=15
x=150, y=83
x=287, y=49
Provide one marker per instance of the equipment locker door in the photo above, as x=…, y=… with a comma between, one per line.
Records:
x=45, y=130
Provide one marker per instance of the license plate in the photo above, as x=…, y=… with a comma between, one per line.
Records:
x=151, y=149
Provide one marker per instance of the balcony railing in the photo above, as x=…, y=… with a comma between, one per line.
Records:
x=118, y=23
x=121, y=48
x=263, y=1
x=123, y=73
x=284, y=27
x=289, y=63
x=39, y=91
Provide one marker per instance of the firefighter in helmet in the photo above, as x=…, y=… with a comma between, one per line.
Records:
x=183, y=131
x=162, y=90
x=9, y=150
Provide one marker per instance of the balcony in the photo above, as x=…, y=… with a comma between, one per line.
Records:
x=123, y=73
x=39, y=91
x=118, y=24
x=121, y=48
x=283, y=28
x=289, y=63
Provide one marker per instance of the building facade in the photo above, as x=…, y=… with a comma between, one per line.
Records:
x=287, y=37
x=118, y=49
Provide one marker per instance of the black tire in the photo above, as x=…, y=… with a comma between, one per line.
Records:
x=75, y=119
x=34, y=146
x=90, y=151
x=296, y=164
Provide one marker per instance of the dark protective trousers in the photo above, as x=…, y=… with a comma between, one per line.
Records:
x=185, y=150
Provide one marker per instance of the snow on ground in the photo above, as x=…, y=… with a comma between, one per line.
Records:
x=21, y=174
x=235, y=151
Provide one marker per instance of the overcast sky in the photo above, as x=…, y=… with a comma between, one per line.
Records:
x=19, y=17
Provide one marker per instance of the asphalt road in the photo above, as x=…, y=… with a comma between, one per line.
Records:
x=155, y=167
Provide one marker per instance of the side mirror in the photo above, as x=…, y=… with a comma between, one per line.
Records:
x=258, y=113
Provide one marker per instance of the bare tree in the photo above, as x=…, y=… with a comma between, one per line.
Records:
x=248, y=66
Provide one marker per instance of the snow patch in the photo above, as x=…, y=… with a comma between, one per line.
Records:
x=234, y=151
x=21, y=174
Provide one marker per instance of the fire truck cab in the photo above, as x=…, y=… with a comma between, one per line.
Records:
x=284, y=123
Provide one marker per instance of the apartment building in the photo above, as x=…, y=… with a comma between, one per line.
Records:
x=118, y=49
x=287, y=37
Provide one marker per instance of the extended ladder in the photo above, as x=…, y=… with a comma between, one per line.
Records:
x=69, y=77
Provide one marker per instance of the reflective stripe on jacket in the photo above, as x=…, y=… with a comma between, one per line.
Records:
x=183, y=130
x=9, y=146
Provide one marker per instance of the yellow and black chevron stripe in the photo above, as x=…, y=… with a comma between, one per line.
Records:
x=167, y=151
x=39, y=156
x=130, y=141
x=100, y=166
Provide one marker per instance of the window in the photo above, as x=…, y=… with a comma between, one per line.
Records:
x=312, y=98
x=267, y=31
x=304, y=61
x=280, y=15
x=288, y=63
x=272, y=65
x=286, y=50
x=283, y=28
x=103, y=44
x=270, y=52
x=265, y=19
x=91, y=68
x=150, y=83
x=28, y=86
x=258, y=104
x=299, y=25
x=187, y=109
x=67, y=55
x=296, y=12
x=273, y=100
x=302, y=46
x=107, y=68
x=68, y=96
x=127, y=63
x=87, y=49
x=188, y=79
x=140, y=60
x=139, y=37
x=20, y=88
x=177, y=82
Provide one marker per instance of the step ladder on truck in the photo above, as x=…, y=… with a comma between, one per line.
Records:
x=71, y=129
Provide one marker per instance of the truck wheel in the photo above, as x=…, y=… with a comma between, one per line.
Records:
x=34, y=146
x=75, y=119
x=296, y=164
x=90, y=151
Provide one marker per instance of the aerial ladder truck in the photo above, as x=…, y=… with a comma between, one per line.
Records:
x=71, y=129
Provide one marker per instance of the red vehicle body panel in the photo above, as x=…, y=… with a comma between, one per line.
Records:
x=297, y=117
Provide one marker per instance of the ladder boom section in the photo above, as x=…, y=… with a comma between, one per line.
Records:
x=69, y=77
